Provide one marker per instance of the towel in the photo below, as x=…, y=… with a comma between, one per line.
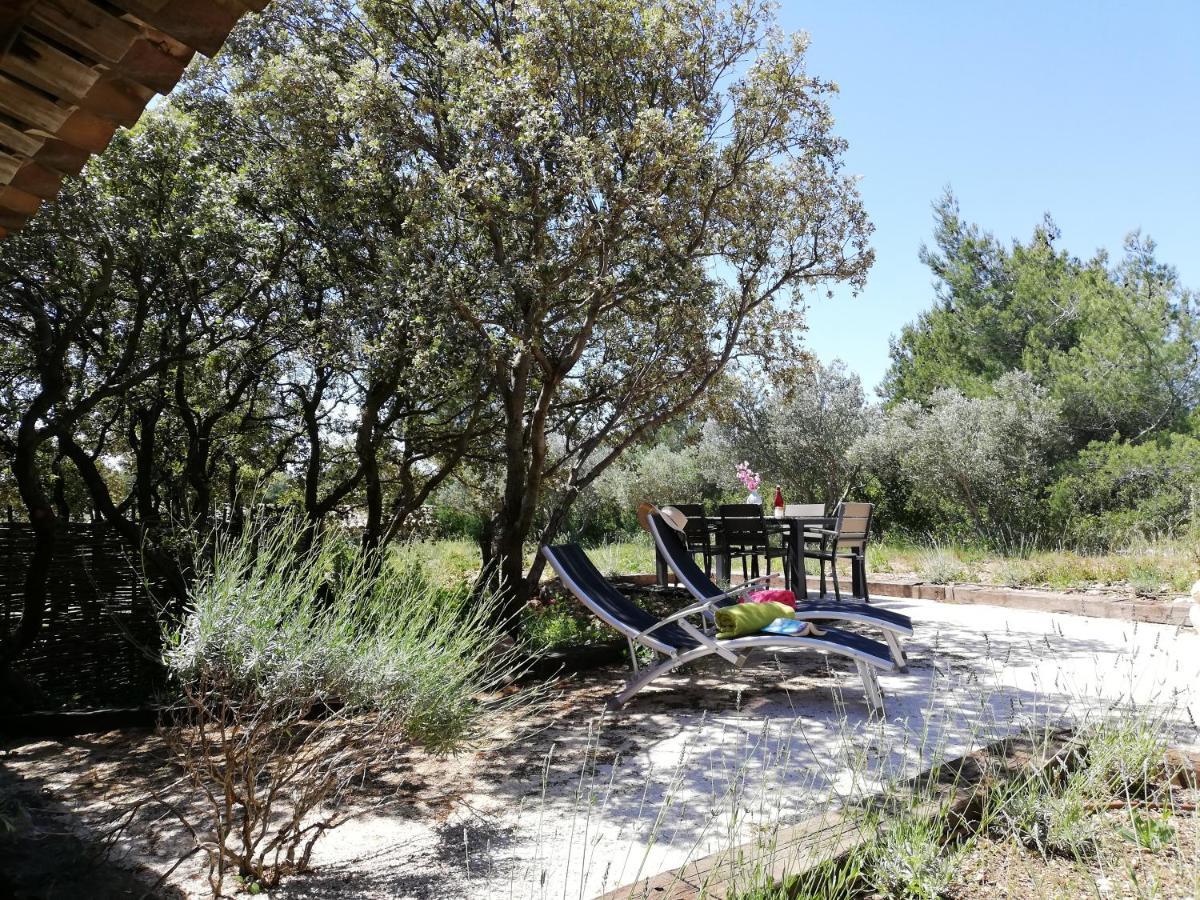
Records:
x=787, y=598
x=793, y=628
x=748, y=618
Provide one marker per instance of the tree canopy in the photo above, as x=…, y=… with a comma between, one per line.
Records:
x=605, y=204
x=1118, y=345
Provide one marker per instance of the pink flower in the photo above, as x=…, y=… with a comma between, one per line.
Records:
x=748, y=477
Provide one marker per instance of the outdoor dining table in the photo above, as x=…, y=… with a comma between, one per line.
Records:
x=799, y=533
x=795, y=527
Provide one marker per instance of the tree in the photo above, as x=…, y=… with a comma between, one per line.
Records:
x=141, y=269
x=1118, y=346
x=985, y=460
x=801, y=435
x=1135, y=368
x=1114, y=490
x=623, y=198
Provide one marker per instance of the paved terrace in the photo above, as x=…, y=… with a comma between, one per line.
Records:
x=702, y=760
x=699, y=760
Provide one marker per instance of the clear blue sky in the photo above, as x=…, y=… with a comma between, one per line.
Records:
x=1088, y=111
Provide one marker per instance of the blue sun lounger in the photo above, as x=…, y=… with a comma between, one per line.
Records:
x=678, y=642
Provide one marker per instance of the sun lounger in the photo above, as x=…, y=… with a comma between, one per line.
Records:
x=682, y=642
x=699, y=585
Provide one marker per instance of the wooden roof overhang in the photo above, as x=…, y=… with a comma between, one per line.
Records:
x=73, y=71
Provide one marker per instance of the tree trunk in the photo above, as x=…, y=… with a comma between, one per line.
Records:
x=366, y=448
x=507, y=576
x=31, y=487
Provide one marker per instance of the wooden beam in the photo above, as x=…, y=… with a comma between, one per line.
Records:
x=19, y=201
x=9, y=165
x=157, y=61
x=35, y=62
x=22, y=142
x=62, y=157
x=12, y=20
x=87, y=131
x=37, y=179
x=12, y=221
x=86, y=27
x=27, y=105
x=117, y=99
x=202, y=24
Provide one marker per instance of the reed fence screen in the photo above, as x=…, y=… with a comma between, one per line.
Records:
x=100, y=639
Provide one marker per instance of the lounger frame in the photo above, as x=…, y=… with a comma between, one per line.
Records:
x=867, y=655
x=700, y=586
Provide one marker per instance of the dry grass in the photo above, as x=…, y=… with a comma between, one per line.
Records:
x=1160, y=568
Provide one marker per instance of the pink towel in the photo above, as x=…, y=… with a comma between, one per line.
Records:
x=788, y=598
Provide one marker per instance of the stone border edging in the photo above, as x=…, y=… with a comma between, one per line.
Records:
x=1172, y=612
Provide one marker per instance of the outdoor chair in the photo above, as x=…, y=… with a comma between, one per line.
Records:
x=804, y=511
x=847, y=540
x=744, y=536
x=699, y=533
x=894, y=625
x=681, y=642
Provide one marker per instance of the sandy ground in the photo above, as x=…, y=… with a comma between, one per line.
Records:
x=706, y=758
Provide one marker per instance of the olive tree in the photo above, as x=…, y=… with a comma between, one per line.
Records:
x=985, y=460
x=800, y=434
x=619, y=199
x=142, y=270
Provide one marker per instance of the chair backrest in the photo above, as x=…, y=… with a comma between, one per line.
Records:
x=853, y=524
x=805, y=510
x=670, y=544
x=742, y=524
x=697, y=523
x=609, y=605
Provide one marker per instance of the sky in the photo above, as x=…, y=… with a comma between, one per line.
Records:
x=1088, y=111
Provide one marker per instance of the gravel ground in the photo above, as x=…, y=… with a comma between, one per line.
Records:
x=584, y=801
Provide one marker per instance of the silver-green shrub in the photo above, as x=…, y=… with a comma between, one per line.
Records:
x=304, y=665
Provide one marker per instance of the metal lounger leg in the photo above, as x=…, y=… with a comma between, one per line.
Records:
x=893, y=643
x=648, y=675
x=870, y=685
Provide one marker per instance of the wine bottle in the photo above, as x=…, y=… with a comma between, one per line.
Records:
x=778, y=502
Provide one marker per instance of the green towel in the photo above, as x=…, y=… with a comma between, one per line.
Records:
x=748, y=618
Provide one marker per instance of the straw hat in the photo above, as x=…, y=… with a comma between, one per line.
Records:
x=644, y=512
x=668, y=514
x=673, y=517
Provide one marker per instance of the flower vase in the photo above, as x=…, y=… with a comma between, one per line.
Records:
x=754, y=498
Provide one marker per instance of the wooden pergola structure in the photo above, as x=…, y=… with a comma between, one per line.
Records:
x=73, y=71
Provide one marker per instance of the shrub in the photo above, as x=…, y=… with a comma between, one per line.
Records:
x=1113, y=491
x=942, y=566
x=983, y=462
x=911, y=860
x=1032, y=812
x=302, y=669
x=1124, y=760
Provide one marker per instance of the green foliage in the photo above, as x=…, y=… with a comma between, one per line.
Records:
x=983, y=462
x=624, y=198
x=284, y=622
x=1125, y=760
x=799, y=432
x=304, y=663
x=1117, y=346
x=1143, y=565
x=1150, y=832
x=911, y=860
x=1114, y=491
